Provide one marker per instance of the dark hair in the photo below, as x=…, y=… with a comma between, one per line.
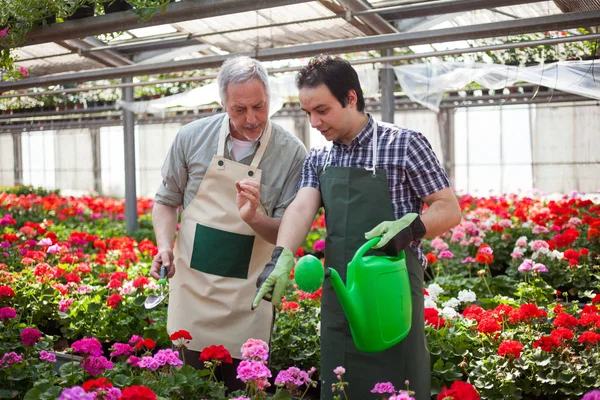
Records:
x=335, y=73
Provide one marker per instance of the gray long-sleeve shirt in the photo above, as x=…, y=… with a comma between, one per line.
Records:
x=196, y=144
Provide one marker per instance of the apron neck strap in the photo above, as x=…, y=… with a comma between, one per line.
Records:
x=374, y=152
x=262, y=145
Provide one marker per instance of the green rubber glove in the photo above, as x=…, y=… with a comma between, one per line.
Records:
x=397, y=235
x=272, y=281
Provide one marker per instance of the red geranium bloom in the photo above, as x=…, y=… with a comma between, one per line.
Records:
x=596, y=299
x=114, y=300
x=526, y=312
x=137, y=393
x=148, y=343
x=593, y=235
x=100, y=383
x=562, y=334
x=589, y=337
x=488, y=325
x=547, y=343
x=473, y=312
x=290, y=305
x=510, y=348
x=459, y=391
x=216, y=353
x=180, y=334
x=140, y=281
x=6, y=291
x=431, y=258
x=566, y=320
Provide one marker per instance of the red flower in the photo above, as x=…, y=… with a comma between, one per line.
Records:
x=140, y=281
x=300, y=252
x=114, y=300
x=6, y=291
x=137, y=393
x=100, y=383
x=148, y=343
x=473, y=312
x=290, y=305
x=526, y=312
x=546, y=343
x=484, y=258
x=72, y=278
x=562, y=334
x=589, y=337
x=458, y=391
x=566, y=238
x=216, y=353
x=593, y=235
x=510, y=348
x=432, y=318
x=180, y=334
x=596, y=299
x=488, y=325
x=566, y=320
x=431, y=258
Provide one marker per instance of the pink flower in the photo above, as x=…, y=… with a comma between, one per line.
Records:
x=96, y=365
x=255, y=349
x=121, y=349
x=526, y=265
x=53, y=249
x=539, y=245
x=293, y=377
x=44, y=355
x=468, y=260
x=7, y=313
x=339, y=371
x=45, y=242
x=252, y=370
x=23, y=71
x=4, y=32
x=134, y=361
x=383, y=388
x=10, y=358
x=64, y=304
x=30, y=336
x=319, y=245
x=538, y=267
x=539, y=229
x=149, y=363
x=402, y=395
x=446, y=254
x=134, y=339
x=439, y=244
x=88, y=346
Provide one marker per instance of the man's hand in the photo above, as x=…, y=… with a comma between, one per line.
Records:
x=397, y=235
x=248, y=199
x=164, y=257
x=272, y=281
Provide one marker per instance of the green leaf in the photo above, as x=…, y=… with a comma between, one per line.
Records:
x=282, y=394
x=8, y=394
x=68, y=369
x=121, y=380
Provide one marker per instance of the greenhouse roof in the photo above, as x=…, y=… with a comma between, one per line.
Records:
x=254, y=27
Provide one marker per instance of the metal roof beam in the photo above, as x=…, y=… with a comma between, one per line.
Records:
x=175, y=12
x=504, y=28
x=376, y=22
x=441, y=7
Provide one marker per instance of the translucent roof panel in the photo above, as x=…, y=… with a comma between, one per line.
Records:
x=249, y=40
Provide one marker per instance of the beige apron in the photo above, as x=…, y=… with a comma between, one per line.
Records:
x=218, y=258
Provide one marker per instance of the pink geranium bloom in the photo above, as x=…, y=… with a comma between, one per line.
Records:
x=4, y=32
x=23, y=71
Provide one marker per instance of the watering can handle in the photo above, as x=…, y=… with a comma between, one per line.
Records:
x=364, y=248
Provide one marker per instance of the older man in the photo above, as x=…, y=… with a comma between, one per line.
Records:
x=234, y=173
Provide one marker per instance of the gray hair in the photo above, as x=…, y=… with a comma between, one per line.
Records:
x=241, y=69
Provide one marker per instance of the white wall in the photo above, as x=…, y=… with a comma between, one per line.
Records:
x=7, y=173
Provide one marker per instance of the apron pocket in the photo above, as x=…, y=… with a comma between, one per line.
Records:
x=221, y=253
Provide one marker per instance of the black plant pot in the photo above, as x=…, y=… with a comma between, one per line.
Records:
x=116, y=6
x=86, y=10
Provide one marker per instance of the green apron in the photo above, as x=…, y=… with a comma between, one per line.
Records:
x=355, y=201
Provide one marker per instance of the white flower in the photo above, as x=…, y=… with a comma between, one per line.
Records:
x=429, y=303
x=449, y=313
x=434, y=290
x=453, y=302
x=467, y=296
x=557, y=254
x=127, y=288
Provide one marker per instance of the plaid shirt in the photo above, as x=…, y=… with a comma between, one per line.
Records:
x=412, y=167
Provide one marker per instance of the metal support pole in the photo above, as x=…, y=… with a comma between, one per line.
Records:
x=446, y=129
x=129, y=141
x=302, y=130
x=96, y=159
x=18, y=158
x=387, y=88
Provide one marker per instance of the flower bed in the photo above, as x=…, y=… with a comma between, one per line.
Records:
x=512, y=305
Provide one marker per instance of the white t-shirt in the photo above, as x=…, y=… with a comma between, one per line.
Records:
x=241, y=148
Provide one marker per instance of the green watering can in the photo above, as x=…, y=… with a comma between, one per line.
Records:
x=376, y=298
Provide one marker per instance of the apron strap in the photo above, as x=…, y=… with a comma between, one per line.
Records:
x=374, y=168
x=262, y=144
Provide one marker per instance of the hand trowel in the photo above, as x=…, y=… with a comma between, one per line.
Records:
x=154, y=300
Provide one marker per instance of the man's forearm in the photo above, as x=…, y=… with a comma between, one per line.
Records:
x=164, y=221
x=266, y=227
x=440, y=216
x=295, y=225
